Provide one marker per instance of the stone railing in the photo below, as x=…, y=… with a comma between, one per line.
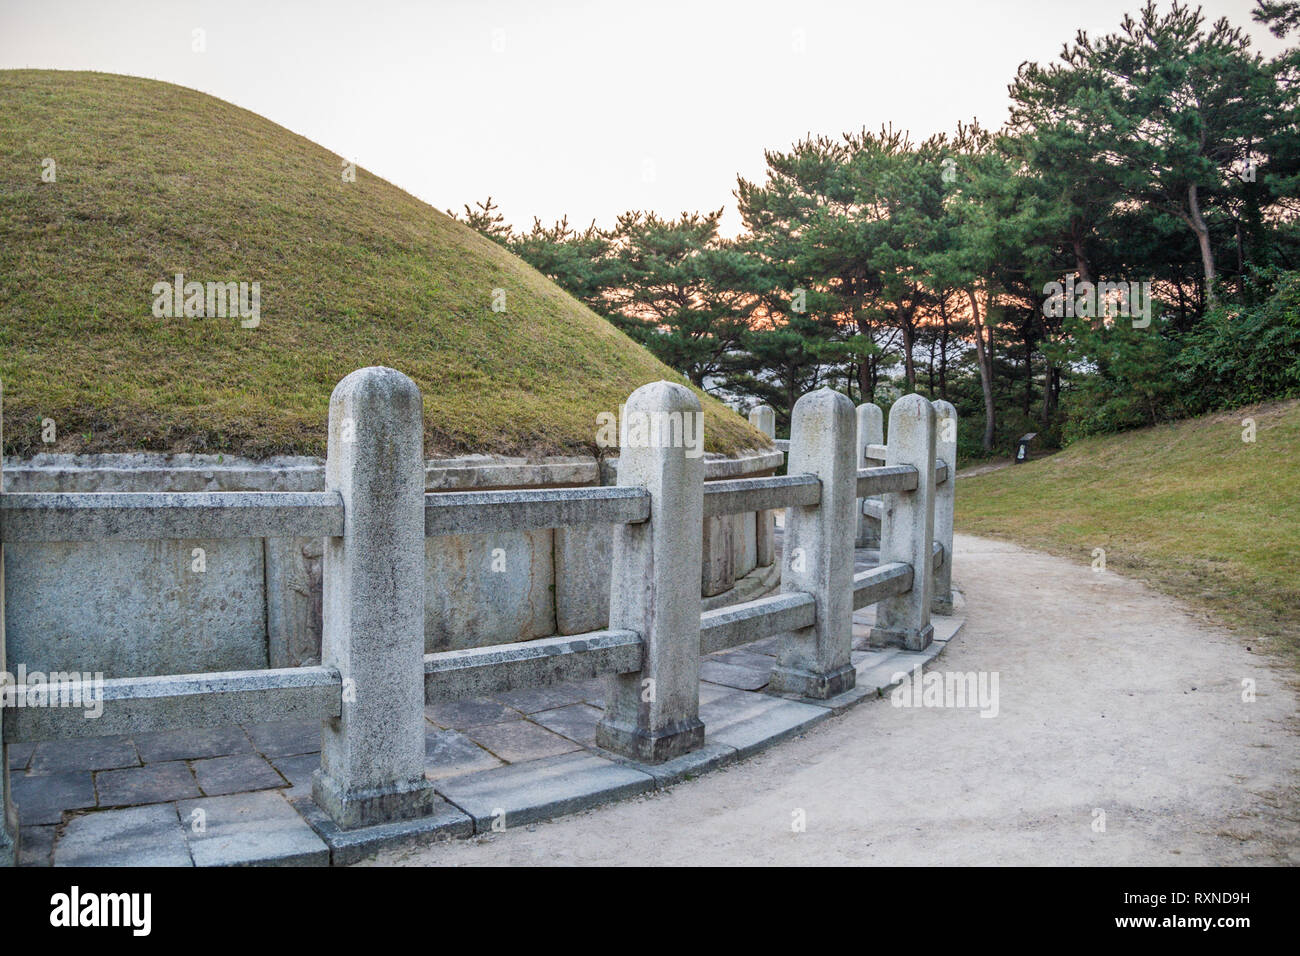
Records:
x=374, y=679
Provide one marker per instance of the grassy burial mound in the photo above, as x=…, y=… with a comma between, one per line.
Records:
x=113, y=185
x=1191, y=507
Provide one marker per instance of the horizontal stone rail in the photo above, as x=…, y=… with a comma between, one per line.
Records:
x=487, y=512
x=142, y=515
x=880, y=582
x=478, y=671
x=754, y=494
x=875, y=508
x=375, y=516
x=137, y=705
x=754, y=620
x=877, y=453
x=877, y=481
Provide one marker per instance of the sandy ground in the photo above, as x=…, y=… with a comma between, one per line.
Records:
x=1112, y=698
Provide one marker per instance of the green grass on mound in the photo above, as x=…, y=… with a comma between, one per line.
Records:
x=1190, y=507
x=154, y=179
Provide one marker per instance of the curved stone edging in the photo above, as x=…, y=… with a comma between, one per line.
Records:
x=738, y=724
x=760, y=582
x=149, y=471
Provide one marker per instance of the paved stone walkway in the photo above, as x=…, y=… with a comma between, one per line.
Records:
x=237, y=794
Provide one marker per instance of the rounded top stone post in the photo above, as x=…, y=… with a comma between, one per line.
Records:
x=871, y=429
x=763, y=417
x=662, y=396
x=907, y=531
x=820, y=410
x=661, y=422
x=946, y=438
x=376, y=425
x=818, y=554
x=376, y=387
x=655, y=577
x=907, y=414
x=372, y=604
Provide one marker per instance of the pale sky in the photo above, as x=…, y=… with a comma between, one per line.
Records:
x=587, y=109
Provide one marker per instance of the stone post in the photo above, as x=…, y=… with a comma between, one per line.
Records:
x=907, y=531
x=817, y=556
x=763, y=417
x=652, y=715
x=372, y=756
x=944, y=500
x=717, y=555
x=8, y=811
x=871, y=431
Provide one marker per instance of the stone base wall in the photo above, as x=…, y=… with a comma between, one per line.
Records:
x=166, y=607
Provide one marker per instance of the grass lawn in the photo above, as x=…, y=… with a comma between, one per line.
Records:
x=153, y=179
x=1189, y=507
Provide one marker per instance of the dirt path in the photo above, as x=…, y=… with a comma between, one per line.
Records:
x=1111, y=698
x=995, y=465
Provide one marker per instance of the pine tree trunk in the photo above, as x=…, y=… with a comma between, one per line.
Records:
x=1202, y=231
x=909, y=367
x=985, y=360
x=1081, y=262
x=943, y=348
x=866, y=380
x=1051, y=388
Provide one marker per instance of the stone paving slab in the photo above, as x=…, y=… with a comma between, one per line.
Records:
x=449, y=753
x=768, y=646
x=36, y=845
x=249, y=829
x=879, y=679
x=743, y=657
x=874, y=673
x=748, y=721
x=135, y=836
x=471, y=712
x=863, y=660
x=517, y=741
x=946, y=628
x=86, y=753
x=447, y=822
x=541, y=789
x=576, y=722
x=192, y=744
x=709, y=757
x=19, y=755
x=910, y=660
x=531, y=700
x=711, y=692
x=285, y=738
x=297, y=770
x=734, y=675
x=153, y=783
x=42, y=798
x=235, y=774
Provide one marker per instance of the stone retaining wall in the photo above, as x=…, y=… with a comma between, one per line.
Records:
x=141, y=608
